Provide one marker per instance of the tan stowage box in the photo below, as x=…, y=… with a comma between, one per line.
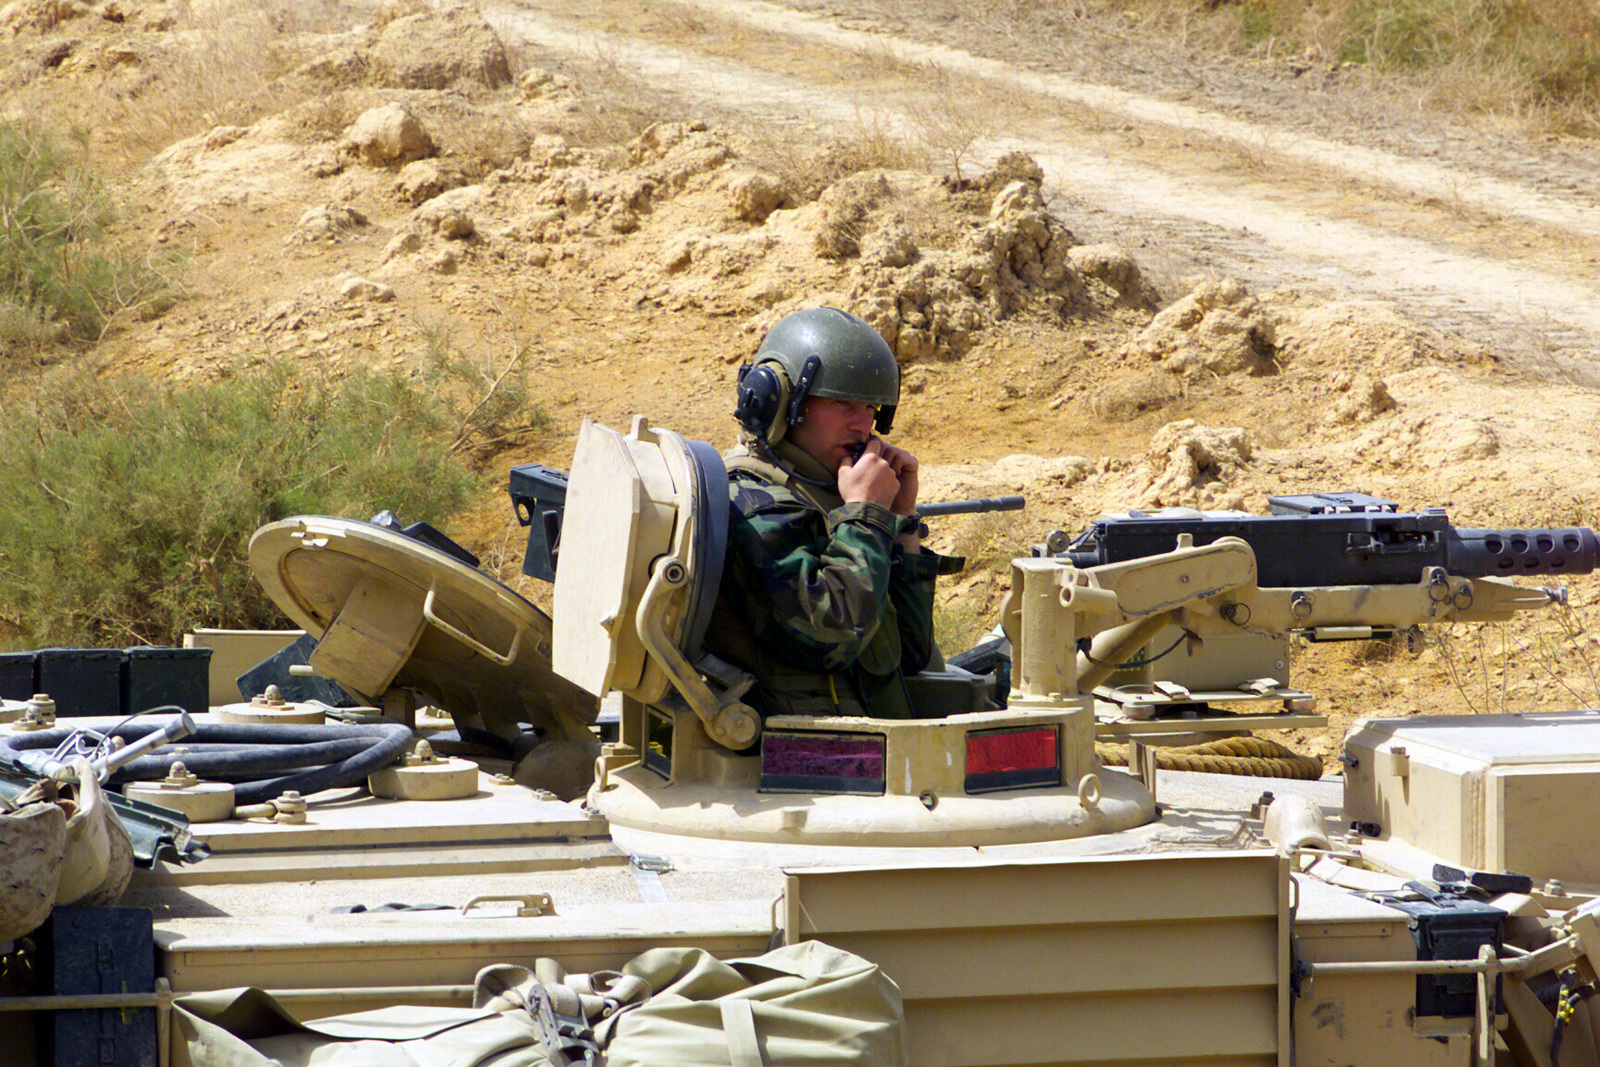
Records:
x=1491, y=792
x=1364, y=1020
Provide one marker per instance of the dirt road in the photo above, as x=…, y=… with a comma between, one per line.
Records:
x=1498, y=244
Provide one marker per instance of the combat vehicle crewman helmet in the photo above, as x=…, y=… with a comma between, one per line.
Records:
x=816, y=352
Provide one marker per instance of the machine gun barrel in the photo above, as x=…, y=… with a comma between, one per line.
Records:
x=968, y=507
x=1486, y=553
x=1368, y=546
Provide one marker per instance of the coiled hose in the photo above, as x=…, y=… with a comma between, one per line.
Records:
x=253, y=756
x=1230, y=755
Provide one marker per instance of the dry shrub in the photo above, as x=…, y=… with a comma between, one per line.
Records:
x=486, y=141
x=807, y=168
x=611, y=106
x=325, y=117
x=951, y=121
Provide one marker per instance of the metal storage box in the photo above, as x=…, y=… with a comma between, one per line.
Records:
x=167, y=676
x=17, y=675
x=98, y=950
x=82, y=681
x=1368, y=1020
x=1483, y=791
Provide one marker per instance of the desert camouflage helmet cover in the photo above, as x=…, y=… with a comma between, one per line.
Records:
x=857, y=363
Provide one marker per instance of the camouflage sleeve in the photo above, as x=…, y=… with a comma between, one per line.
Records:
x=814, y=588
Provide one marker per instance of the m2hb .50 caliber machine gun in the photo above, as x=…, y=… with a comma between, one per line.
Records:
x=1328, y=566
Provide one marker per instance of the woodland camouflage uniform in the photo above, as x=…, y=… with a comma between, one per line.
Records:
x=818, y=600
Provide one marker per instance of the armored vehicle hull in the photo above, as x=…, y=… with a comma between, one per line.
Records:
x=1031, y=905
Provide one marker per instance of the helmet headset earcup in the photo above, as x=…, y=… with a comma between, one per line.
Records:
x=763, y=401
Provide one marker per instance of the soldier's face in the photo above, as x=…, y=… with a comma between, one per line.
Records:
x=828, y=428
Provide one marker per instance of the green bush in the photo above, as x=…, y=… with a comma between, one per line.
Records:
x=58, y=280
x=129, y=504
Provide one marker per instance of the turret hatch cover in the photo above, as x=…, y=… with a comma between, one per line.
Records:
x=388, y=611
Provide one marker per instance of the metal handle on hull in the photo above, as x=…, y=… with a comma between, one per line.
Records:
x=466, y=639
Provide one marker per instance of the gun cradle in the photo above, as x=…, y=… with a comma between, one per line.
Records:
x=1437, y=598
x=1053, y=606
x=1194, y=617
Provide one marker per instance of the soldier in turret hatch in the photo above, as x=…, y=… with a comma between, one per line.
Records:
x=827, y=593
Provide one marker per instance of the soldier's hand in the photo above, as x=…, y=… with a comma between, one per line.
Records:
x=904, y=465
x=870, y=478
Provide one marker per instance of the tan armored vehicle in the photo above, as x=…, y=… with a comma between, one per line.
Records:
x=1031, y=904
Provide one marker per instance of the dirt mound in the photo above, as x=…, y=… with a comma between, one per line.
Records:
x=1433, y=441
x=1190, y=465
x=1012, y=260
x=1014, y=474
x=409, y=45
x=1218, y=327
x=115, y=50
x=680, y=221
x=330, y=222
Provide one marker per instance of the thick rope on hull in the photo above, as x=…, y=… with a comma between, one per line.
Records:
x=1254, y=756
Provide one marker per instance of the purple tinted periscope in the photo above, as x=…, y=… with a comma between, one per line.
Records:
x=822, y=755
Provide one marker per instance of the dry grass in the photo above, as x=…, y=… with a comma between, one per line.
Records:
x=222, y=64
x=612, y=106
x=1527, y=59
x=1533, y=60
x=1544, y=660
x=677, y=22
x=806, y=167
x=946, y=120
x=882, y=60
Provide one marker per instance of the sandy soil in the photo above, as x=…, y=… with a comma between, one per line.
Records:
x=1325, y=284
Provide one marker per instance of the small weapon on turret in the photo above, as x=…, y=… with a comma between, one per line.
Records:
x=539, y=494
x=1329, y=539
x=970, y=507
x=1182, y=606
